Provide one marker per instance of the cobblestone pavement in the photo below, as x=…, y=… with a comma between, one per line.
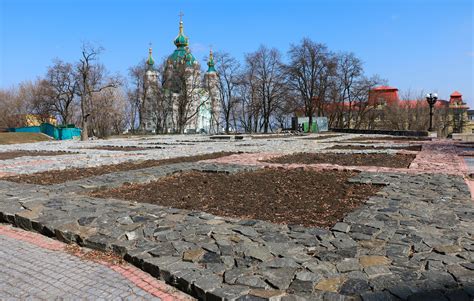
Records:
x=37, y=268
x=414, y=240
x=435, y=157
x=170, y=146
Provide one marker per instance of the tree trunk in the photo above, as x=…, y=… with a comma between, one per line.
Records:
x=84, y=133
x=227, y=121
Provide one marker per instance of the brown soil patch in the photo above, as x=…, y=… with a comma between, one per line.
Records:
x=164, y=143
x=305, y=197
x=416, y=148
x=274, y=136
x=16, y=154
x=123, y=148
x=95, y=255
x=61, y=176
x=322, y=137
x=394, y=138
x=381, y=160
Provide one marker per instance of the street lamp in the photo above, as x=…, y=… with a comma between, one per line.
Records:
x=431, y=98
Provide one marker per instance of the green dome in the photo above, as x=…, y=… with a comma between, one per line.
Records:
x=210, y=63
x=150, y=61
x=182, y=53
x=181, y=40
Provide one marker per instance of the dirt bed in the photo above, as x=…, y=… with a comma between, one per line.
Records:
x=321, y=137
x=380, y=160
x=275, y=136
x=416, y=148
x=309, y=198
x=394, y=138
x=16, y=154
x=62, y=176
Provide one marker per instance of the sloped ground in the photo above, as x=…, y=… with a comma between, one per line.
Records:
x=15, y=138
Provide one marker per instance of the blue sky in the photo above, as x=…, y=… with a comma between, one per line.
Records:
x=414, y=44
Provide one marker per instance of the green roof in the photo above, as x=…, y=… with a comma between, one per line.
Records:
x=210, y=63
x=150, y=61
x=182, y=52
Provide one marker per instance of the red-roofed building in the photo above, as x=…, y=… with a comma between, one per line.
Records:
x=455, y=100
x=385, y=110
x=385, y=96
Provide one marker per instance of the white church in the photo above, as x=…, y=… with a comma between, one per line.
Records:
x=201, y=110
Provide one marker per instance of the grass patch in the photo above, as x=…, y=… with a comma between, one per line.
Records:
x=14, y=138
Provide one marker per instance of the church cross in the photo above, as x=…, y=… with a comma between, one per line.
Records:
x=181, y=16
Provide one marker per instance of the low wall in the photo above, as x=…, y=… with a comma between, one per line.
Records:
x=58, y=133
x=382, y=132
x=464, y=137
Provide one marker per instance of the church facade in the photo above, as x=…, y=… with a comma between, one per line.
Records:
x=182, y=100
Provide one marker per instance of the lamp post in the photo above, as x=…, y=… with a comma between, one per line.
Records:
x=431, y=98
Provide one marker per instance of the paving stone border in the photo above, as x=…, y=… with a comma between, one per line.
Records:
x=411, y=241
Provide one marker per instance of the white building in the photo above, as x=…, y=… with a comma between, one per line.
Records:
x=188, y=102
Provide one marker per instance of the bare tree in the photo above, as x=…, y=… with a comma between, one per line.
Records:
x=270, y=81
x=349, y=70
x=183, y=93
x=37, y=95
x=136, y=94
x=108, y=111
x=227, y=71
x=91, y=78
x=249, y=104
x=311, y=64
x=365, y=112
x=13, y=107
x=157, y=96
x=61, y=90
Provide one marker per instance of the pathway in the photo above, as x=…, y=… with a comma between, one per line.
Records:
x=39, y=268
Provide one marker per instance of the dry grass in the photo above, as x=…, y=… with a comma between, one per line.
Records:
x=94, y=255
x=14, y=138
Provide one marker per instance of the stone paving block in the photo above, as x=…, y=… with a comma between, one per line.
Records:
x=427, y=296
x=330, y=284
x=341, y=227
x=305, y=281
x=348, y=265
x=376, y=271
x=279, y=278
